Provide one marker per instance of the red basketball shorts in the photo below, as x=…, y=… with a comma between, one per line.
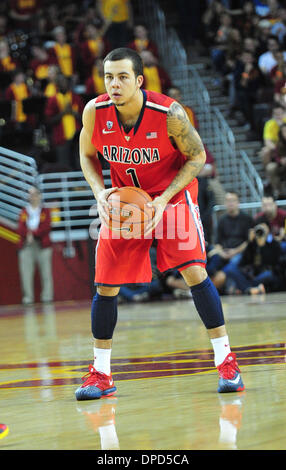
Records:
x=180, y=243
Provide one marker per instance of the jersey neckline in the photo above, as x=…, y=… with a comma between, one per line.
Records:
x=135, y=128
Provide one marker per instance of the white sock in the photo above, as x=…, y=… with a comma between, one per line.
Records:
x=221, y=349
x=102, y=360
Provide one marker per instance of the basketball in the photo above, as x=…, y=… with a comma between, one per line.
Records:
x=129, y=213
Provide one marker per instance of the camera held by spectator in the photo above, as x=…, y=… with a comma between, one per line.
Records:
x=261, y=232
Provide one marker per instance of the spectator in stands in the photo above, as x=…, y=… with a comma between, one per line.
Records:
x=277, y=73
x=231, y=240
x=94, y=85
x=276, y=168
x=259, y=269
x=21, y=122
x=51, y=85
x=232, y=52
x=176, y=93
x=17, y=92
x=63, y=115
x=271, y=132
x=267, y=60
x=118, y=19
x=221, y=42
x=62, y=53
x=155, y=76
x=279, y=78
x=247, y=83
x=93, y=47
x=273, y=216
x=7, y=63
x=39, y=64
x=234, y=67
x=211, y=21
x=35, y=248
x=142, y=42
x=280, y=95
x=233, y=48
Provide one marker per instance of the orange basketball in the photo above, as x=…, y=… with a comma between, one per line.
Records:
x=129, y=213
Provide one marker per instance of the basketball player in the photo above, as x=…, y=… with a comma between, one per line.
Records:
x=149, y=142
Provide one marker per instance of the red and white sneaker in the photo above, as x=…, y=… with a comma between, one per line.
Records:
x=96, y=385
x=229, y=375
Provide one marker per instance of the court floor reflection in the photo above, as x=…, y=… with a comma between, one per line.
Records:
x=163, y=369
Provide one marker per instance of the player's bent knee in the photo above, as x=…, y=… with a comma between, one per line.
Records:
x=194, y=275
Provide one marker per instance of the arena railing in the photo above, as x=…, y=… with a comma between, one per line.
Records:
x=17, y=173
x=67, y=194
x=194, y=91
x=253, y=189
x=72, y=203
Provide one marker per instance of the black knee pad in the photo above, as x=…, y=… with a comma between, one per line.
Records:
x=208, y=304
x=103, y=316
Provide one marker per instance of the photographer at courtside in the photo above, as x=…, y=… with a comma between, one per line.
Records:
x=258, y=271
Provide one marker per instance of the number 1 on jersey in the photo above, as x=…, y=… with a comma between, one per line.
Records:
x=132, y=173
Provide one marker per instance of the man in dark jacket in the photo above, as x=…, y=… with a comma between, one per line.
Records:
x=231, y=239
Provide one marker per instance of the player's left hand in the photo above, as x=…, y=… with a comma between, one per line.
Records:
x=159, y=205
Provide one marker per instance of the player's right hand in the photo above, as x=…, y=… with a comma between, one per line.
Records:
x=159, y=205
x=103, y=206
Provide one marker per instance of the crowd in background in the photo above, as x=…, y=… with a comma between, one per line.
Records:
x=51, y=64
x=246, y=40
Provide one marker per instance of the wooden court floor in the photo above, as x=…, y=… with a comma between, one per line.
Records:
x=163, y=369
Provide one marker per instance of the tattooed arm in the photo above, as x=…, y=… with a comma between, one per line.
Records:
x=189, y=143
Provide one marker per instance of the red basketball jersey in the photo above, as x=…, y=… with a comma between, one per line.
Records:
x=145, y=157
